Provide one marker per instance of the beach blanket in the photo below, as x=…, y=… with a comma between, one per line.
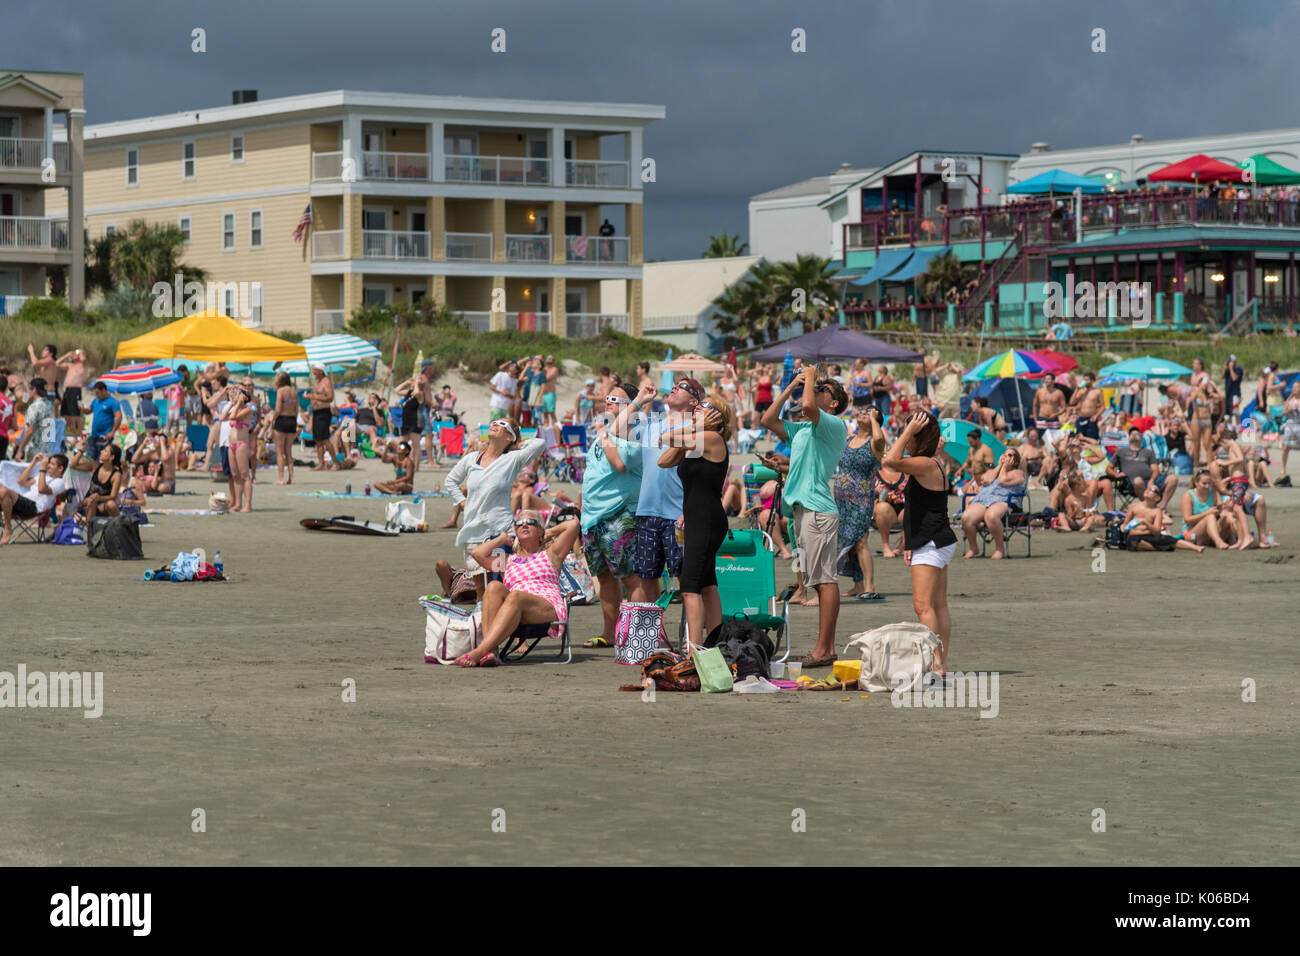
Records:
x=358, y=494
x=182, y=511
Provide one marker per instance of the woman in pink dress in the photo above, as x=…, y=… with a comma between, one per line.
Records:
x=530, y=593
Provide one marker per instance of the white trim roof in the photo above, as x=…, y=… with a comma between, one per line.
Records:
x=336, y=100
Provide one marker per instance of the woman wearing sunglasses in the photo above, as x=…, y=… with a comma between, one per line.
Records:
x=700, y=457
x=529, y=592
x=488, y=477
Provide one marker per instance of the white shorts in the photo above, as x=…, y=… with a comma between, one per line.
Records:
x=934, y=557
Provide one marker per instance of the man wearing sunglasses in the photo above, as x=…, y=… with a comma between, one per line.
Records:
x=659, y=507
x=816, y=444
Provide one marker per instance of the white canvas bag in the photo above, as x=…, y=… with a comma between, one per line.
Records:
x=450, y=630
x=407, y=515
x=892, y=650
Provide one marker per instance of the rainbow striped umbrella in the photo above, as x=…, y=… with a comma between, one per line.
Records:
x=138, y=378
x=1008, y=364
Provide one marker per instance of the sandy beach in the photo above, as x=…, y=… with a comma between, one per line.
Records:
x=1118, y=690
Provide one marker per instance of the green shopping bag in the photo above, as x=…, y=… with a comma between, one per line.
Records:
x=713, y=670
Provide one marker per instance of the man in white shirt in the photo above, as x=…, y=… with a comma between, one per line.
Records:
x=503, y=386
x=34, y=494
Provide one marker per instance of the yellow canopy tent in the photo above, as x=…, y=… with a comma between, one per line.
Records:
x=209, y=337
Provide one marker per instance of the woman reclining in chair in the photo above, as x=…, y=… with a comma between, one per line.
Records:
x=530, y=592
x=998, y=485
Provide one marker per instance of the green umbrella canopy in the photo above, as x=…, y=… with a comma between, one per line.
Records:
x=1269, y=173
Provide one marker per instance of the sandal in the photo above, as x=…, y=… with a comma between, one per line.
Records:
x=597, y=642
x=489, y=660
x=869, y=596
x=466, y=661
x=809, y=661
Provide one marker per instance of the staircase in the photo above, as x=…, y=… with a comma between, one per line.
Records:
x=1004, y=265
x=1241, y=323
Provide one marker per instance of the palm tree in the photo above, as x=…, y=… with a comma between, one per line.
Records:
x=725, y=246
x=148, y=253
x=941, y=274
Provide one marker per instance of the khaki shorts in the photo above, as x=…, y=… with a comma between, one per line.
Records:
x=817, y=535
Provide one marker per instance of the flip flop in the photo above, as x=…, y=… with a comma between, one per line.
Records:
x=870, y=596
x=809, y=661
x=489, y=660
x=597, y=642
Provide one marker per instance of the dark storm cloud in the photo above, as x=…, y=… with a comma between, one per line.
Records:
x=745, y=114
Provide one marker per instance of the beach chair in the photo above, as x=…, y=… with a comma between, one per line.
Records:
x=451, y=443
x=1018, y=521
x=746, y=568
x=549, y=463
x=41, y=528
x=521, y=643
x=571, y=435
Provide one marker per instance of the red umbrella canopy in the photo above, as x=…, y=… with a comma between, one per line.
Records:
x=1054, y=362
x=1198, y=169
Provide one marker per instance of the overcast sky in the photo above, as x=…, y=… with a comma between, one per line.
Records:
x=745, y=113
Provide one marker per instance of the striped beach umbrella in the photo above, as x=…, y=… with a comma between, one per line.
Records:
x=1008, y=364
x=333, y=350
x=138, y=378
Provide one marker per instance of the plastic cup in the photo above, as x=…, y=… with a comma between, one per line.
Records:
x=794, y=669
x=778, y=670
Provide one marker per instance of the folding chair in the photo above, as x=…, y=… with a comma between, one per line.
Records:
x=571, y=435
x=521, y=643
x=746, y=569
x=1017, y=521
x=451, y=442
x=38, y=529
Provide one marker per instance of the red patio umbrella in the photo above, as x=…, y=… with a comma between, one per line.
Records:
x=1054, y=362
x=1198, y=169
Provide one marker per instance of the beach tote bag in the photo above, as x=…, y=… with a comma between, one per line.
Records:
x=639, y=632
x=713, y=670
x=407, y=515
x=449, y=630
x=575, y=581
x=895, y=649
x=69, y=532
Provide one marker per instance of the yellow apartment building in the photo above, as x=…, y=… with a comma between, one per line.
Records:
x=41, y=117
x=512, y=212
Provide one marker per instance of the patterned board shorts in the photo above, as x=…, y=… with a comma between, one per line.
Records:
x=657, y=547
x=611, y=545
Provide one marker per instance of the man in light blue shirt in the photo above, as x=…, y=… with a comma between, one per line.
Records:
x=659, y=508
x=816, y=445
x=611, y=487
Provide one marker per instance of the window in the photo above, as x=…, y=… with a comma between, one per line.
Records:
x=227, y=232
x=185, y=228
x=255, y=229
x=237, y=148
x=255, y=304
x=232, y=301
x=133, y=167
x=110, y=229
x=187, y=152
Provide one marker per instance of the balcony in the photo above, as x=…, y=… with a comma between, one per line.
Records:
x=34, y=233
x=479, y=322
x=530, y=248
x=597, y=249
x=388, y=244
x=328, y=320
x=596, y=173
x=528, y=321
x=326, y=166
x=583, y=325
x=30, y=153
x=469, y=247
x=396, y=167
x=327, y=245
x=504, y=170
x=11, y=305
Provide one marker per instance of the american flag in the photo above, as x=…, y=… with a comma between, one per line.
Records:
x=301, y=229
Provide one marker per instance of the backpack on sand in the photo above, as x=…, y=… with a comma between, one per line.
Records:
x=114, y=538
x=449, y=630
x=893, y=650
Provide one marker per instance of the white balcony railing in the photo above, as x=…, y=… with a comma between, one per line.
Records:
x=478, y=322
x=530, y=248
x=327, y=245
x=30, y=154
x=528, y=321
x=11, y=305
x=583, y=325
x=325, y=166
x=32, y=232
x=329, y=320
x=596, y=249
x=388, y=244
x=596, y=172
x=469, y=246
x=396, y=167
x=516, y=170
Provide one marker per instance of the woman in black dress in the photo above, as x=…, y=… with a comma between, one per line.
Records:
x=700, y=455
x=928, y=540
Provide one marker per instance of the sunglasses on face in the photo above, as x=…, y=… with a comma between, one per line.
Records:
x=822, y=388
x=527, y=522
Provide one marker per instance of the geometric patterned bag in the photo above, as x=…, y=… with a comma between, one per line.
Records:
x=639, y=632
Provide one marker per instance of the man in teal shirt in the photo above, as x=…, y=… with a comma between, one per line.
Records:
x=815, y=448
x=611, y=486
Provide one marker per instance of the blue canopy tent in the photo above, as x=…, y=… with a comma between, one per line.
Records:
x=1055, y=181
x=1013, y=397
x=887, y=263
x=914, y=266
x=835, y=343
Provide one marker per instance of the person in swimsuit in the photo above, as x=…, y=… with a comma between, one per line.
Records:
x=584, y=405
x=882, y=390
x=1075, y=515
x=1200, y=428
x=285, y=427
x=240, y=415
x=106, y=478
x=992, y=502
x=700, y=456
x=928, y=541
x=889, y=507
x=762, y=392
x=403, y=470
x=1206, y=520
x=529, y=592
x=1291, y=427
x=860, y=384
x=370, y=417
x=1145, y=523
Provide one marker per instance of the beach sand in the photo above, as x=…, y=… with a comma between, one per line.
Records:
x=1118, y=690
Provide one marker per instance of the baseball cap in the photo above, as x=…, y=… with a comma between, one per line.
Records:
x=1232, y=358
x=693, y=388
x=591, y=381
x=318, y=365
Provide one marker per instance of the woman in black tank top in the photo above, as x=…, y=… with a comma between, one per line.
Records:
x=928, y=539
x=703, y=518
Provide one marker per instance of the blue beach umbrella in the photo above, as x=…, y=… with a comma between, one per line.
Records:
x=1147, y=367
